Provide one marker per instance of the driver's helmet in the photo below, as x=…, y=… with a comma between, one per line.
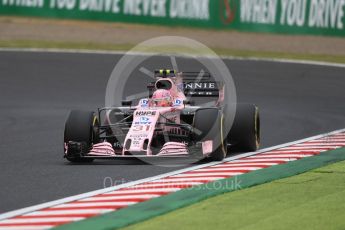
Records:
x=162, y=98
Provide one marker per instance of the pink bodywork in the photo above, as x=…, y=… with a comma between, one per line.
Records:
x=144, y=124
x=145, y=119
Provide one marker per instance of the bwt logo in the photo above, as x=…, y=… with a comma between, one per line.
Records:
x=228, y=11
x=178, y=102
x=144, y=120
x=144, y=102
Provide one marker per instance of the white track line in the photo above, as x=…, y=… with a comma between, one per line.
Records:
x=283, y=155
x=40, y=220
x=298, y=151
x=145, y=190
x=258, y=159
x=275, y=153
x=230, y=164
x=126, y=185
x=184, y=179
x=67, y=212
x=107, y=52
x=325, y=141
x=321, y=144
x=94, y=204
x=120, y=197
x=228, y=169
x=208, y=174
x=301, y=148
x=27, y=227
x=166, y=184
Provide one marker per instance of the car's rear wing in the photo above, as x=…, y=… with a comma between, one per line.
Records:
x=197, y=84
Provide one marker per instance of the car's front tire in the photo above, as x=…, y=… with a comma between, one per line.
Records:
x=81, y=127
x=244, y=135
x=209, y=125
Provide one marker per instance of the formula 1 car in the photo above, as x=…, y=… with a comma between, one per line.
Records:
x=166, y=124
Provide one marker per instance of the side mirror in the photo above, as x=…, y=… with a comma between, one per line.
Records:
x=187, y=102
x=126, y=103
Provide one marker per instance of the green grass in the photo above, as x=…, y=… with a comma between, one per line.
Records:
x=313, y=200
x=267, y=54
x=125, y=47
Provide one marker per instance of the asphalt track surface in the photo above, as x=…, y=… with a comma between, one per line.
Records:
x=37, y=90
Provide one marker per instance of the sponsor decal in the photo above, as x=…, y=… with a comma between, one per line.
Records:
x=140, y=128
x=144, y=103
x=136, y=143
x=325, y=17
x=260, y=11
x=138, y=136
x=172, y=117
x=202, y=93
x=200, y=85
x=168, y=9
x=190, y=9
x=178, y=102
x=227, y=11
x=325, y=14
x=143, y=121
x=145, y=113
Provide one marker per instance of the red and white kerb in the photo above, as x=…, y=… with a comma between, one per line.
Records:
x=110, y=201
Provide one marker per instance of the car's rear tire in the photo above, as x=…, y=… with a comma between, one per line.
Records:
x=244, y=135
x=81, y=126
x=208, y=125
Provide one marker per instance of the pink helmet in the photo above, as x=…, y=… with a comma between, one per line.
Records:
x=162, y=98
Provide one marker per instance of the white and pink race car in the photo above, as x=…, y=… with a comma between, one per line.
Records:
x=166, y=124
